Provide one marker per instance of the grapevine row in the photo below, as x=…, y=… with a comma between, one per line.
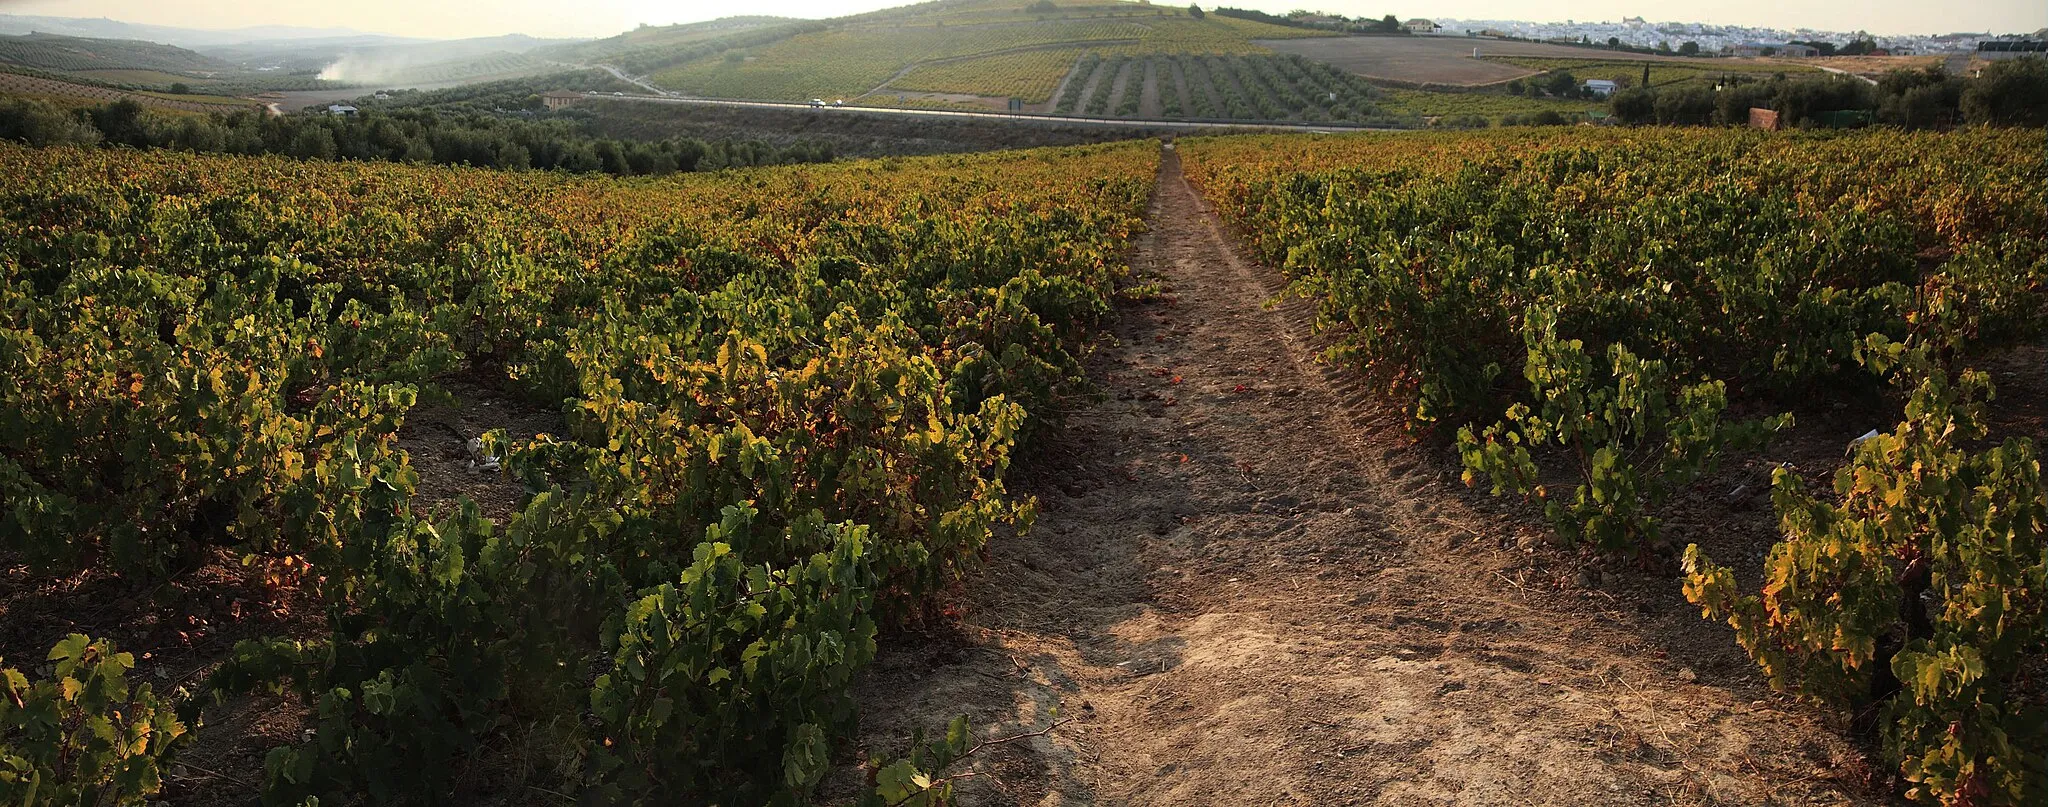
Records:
x=1601, y=316
x=789, y=397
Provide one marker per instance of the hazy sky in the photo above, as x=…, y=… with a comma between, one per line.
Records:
x=460, y=18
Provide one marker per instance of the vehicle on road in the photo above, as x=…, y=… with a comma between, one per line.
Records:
x=817, y=102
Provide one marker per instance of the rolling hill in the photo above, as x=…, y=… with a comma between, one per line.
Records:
x=372, y=58
x=1097, y=58
x=75, y=54
x=101, y=28
x=976, y=52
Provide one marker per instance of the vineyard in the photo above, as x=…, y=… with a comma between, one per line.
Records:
x=71, y=93
x=1212, y=86
x=1493, y=107
x=724, y=427
x=1600, y=321
x=1563, y=466
x=1030, y=75
x=850, y=62
x=991, y=49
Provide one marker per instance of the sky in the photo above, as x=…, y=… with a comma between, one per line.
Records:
x=591, y=18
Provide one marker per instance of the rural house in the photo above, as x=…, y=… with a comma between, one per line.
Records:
x=1420, y=26
x=343, y=110
x=1601, y=87
x=556, y=99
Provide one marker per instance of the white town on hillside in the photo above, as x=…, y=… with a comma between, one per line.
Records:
x=1637, y=32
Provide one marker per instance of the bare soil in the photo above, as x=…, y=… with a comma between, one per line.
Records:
x=1247, y=585
x=1148, y=97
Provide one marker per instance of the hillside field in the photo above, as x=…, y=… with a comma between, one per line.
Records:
x=990, y=48
x=73, y=93
x=406, y=484
x=1418, y=60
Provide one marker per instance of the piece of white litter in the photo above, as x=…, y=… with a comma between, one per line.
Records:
x=478, y=460
x=1860, y=441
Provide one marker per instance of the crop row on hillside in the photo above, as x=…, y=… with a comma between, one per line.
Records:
x=1030, y=75
x=786, y=403
x=1109, y=78
x=1602, y=315
x=651, y=49
x=862, y=53
x=1489, y=105
x=849, y=62
x=1220, y=86
x=73, y=93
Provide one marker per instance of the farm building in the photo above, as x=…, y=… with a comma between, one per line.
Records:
x=1799, y=51
x=343, y=110
x=2012, y=49
x=1601, y=87
x=1420, y=26
x=556, y=99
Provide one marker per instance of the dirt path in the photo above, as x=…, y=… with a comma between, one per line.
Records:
x=1245, y=589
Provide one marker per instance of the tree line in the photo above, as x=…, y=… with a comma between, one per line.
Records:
x=406, y=135
x=2009, y=93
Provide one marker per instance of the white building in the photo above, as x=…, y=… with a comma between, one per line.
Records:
x=1419, y=26
x=343, y=110
x=1601, y=87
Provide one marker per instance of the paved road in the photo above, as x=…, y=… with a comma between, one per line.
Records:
x=1840, y=72
x=1070, y=120
x=621, y=75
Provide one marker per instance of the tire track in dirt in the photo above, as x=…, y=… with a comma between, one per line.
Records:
x=1244, y=587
